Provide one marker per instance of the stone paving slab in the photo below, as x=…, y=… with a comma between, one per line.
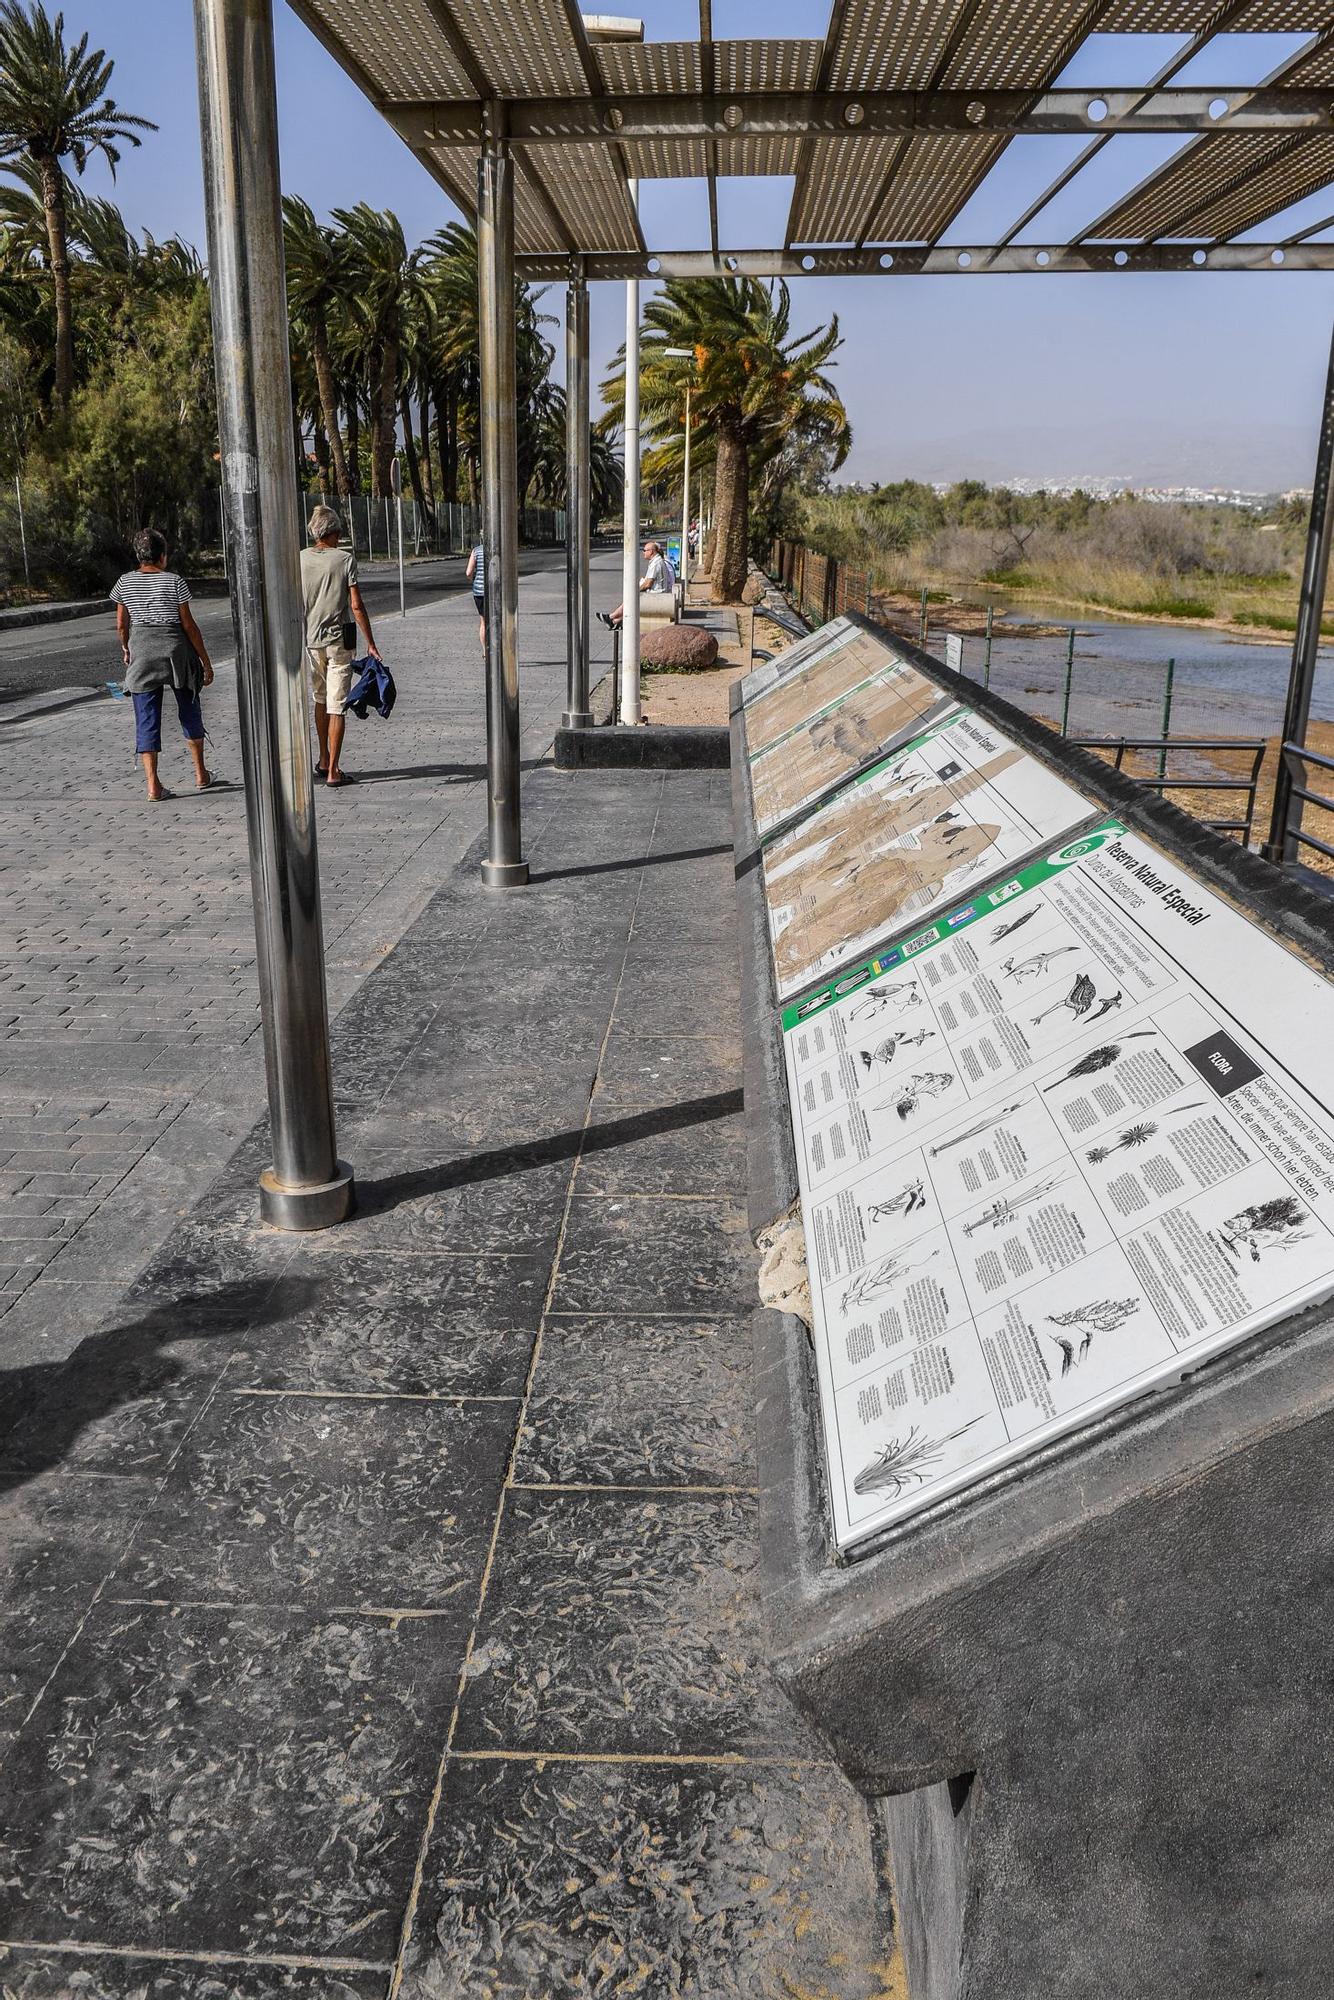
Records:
x=378, y=1611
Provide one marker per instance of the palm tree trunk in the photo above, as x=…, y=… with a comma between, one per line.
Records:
x=447, y=423
x=384, y=418
x=324, y=376
x=424, y=419
x=410, y=454
x=731, y=500
x=353, y=444
x=57, y=237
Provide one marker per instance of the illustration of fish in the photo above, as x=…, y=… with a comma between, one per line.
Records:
x=1034, y=967
x=1015, y=924
x=907, y=1461
x=975, y=1131
x=1079, y=999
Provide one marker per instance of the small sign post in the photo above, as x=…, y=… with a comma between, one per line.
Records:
x=954, y=652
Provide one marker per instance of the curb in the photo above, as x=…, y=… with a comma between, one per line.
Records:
x=647, y=747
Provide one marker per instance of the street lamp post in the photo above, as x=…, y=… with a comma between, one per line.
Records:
x=630, y=518
x=685, y=354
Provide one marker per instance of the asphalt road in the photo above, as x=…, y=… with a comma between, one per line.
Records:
x=37, y=659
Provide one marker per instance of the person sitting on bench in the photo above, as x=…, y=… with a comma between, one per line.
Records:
x=658, y=576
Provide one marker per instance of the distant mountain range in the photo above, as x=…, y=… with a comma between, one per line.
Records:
x=1255, y=459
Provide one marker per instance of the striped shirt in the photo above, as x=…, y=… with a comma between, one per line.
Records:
x=152, y=596
x=479, y=574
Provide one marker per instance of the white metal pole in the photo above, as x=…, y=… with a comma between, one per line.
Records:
x=685, y=509
x=396, y=481
x=23, y=532
x=630, y=553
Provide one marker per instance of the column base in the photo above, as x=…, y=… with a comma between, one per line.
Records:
x=577, y=718
x=504, y=874
x=306, y=1208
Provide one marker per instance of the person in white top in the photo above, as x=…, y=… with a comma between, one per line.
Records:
x=659, y=575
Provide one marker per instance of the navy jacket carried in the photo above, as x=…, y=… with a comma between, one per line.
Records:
x=372, y=688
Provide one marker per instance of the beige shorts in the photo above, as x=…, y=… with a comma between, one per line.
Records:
x=331, y=676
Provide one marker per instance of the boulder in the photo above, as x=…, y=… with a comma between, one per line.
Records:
x=680, y=649
x=755, y=587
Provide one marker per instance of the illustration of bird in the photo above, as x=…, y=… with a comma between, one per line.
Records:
x=1015, y=924
x=1106, y=1006
x=1034, y=967
x=905, y=994
x=1102, y=1316
x=907, y=1461
x=885, y=1052
x=1079, y=999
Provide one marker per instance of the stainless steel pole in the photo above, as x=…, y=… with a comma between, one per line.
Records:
x=685, y=511
x=504, y=867
x=578, y=498
x=629, y=708
x=306, y=1187
x=1281, y=845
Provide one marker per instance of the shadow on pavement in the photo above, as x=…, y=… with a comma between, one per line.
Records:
x=44, y=1407
x=377, y=1197
x=629, y=861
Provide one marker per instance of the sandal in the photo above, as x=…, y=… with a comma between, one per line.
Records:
x=321, y=770
x=336, y=784
x=209, y=781
x=160, y=798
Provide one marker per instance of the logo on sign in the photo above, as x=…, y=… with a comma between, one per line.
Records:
x=961, y=916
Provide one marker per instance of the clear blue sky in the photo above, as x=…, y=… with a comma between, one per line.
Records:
x=1213, y=376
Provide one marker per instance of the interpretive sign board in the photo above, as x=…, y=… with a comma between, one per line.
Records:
x=1056, y=1148
x=849, y=703
x=954, y=804
x=825, y=639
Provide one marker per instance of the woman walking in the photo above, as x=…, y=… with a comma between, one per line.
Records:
x=476, y=576
x=163, y=648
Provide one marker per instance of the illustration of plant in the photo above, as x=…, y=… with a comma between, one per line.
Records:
x=907, y=1461
x=906, y=1202
x=1033, y=968
x=1097, y=1059
x=1007, y=1208
x=1015, y=924
x=1134, y=1135
x=1101, y=1316
x=924, y=1084
x=1079, y=999
x=881, y=1277
x=1278, y=1224
x=974, y=1131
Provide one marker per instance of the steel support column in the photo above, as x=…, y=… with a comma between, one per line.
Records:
x=1281, y=845
x=306, y=1187
x=629, y=709
x=578, y=498
x=504, y=867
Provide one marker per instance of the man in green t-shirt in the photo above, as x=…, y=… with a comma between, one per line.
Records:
x=333, y=600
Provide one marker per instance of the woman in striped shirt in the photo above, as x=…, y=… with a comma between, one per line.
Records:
x=476, y=575
x=162, y=648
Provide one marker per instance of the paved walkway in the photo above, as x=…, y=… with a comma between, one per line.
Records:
x=380, y=1611
x=130, y=1058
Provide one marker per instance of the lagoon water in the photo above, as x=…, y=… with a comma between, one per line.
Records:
x=1222, y=686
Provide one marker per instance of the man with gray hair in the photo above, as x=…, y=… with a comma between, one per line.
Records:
x=333, y=600
x=658, y=576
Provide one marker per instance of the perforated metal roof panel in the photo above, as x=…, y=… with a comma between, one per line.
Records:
x=396, y=46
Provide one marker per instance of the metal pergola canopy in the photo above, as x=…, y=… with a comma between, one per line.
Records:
x=887, y=126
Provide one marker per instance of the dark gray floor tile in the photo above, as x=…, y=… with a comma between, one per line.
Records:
x=624, y=1625
x=647, y=1069
x=565, y=1883
x=413, y=1194
x=227, y=1781
x=678, y=1003
x=623, y=1402
x=61, y=1535
x=400, y=1325
x=645, y=1255
x=327, y=1501
x=37, y=1973
x=690, y=1146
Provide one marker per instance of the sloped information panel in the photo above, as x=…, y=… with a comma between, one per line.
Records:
x=847, y=703
x=1056, y=1147
x=955, y=804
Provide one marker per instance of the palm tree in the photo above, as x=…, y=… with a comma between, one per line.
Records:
x=383, y=282
x=317, y=281
x=756, y=388
x=53, y=105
